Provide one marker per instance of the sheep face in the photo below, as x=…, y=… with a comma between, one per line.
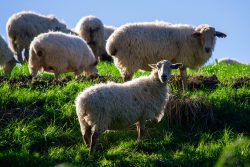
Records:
x=206, y=35
x=34, y=62
x=91, y=70
x=164, y=68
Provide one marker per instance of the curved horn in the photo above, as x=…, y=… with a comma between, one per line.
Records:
x=220, y=34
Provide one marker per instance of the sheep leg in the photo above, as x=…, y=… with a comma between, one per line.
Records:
x=9, y=66
x=86, y=132
x=87, y=135
x=78, y=74
x=19, y=57
x=78, y=77
x=26, y=55
x=57, y=77
x=127, y=76
x=93, y=141
x=183, y=72
x=106, y=57
x=140, y=125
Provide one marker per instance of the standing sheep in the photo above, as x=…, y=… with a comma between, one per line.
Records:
x=7, y=60
x=115, y=106
x=58, y=53
x=22, y=27
x=92, y=30
x=133, y=46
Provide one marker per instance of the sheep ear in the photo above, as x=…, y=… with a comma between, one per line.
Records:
x=196, y=34
x=220, y=34
x=153, y=66
x=177, y=65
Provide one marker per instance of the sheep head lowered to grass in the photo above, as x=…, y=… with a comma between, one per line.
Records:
x=24, y=26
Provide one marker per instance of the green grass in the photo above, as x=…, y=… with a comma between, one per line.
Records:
x=39, y=126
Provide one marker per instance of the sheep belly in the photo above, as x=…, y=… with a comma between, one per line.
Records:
x=119, y=123
x=116, y=108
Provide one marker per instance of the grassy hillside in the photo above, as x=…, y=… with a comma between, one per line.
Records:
x=39, y=126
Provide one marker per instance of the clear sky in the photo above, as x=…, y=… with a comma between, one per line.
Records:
x=229, y=16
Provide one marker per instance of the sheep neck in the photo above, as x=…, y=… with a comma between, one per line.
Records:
x=156, y=80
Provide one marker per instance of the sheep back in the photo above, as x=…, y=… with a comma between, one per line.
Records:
x=22, y=27
x=63, y=52
x=146, y=43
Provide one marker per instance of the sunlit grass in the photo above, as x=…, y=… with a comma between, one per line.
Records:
x=39, y=127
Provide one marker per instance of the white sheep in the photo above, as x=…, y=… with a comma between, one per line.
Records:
x=92, y=30
x=108, y=30
x=114, y=105
x=227, y=60
x=58, y=53
x=135, y=45
x=7, y=60
x=22, y=27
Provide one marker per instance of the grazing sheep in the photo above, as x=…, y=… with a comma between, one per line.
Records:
x=133, y=46
x=92, y=30
x=7, y=60
x=58, y=53
x=115, y=106
x=22, y=27
x=227, y=60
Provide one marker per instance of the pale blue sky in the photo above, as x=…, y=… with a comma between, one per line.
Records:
x=229, y=16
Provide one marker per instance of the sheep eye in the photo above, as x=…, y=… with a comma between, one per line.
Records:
x=159, y=65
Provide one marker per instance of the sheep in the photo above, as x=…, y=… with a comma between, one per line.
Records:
x=227, y=60
x=22, y=27
x=117, y=105
x=7, y=60
x=92, y=30
x=58, y=53
x=108, y=30
x=134, y=45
